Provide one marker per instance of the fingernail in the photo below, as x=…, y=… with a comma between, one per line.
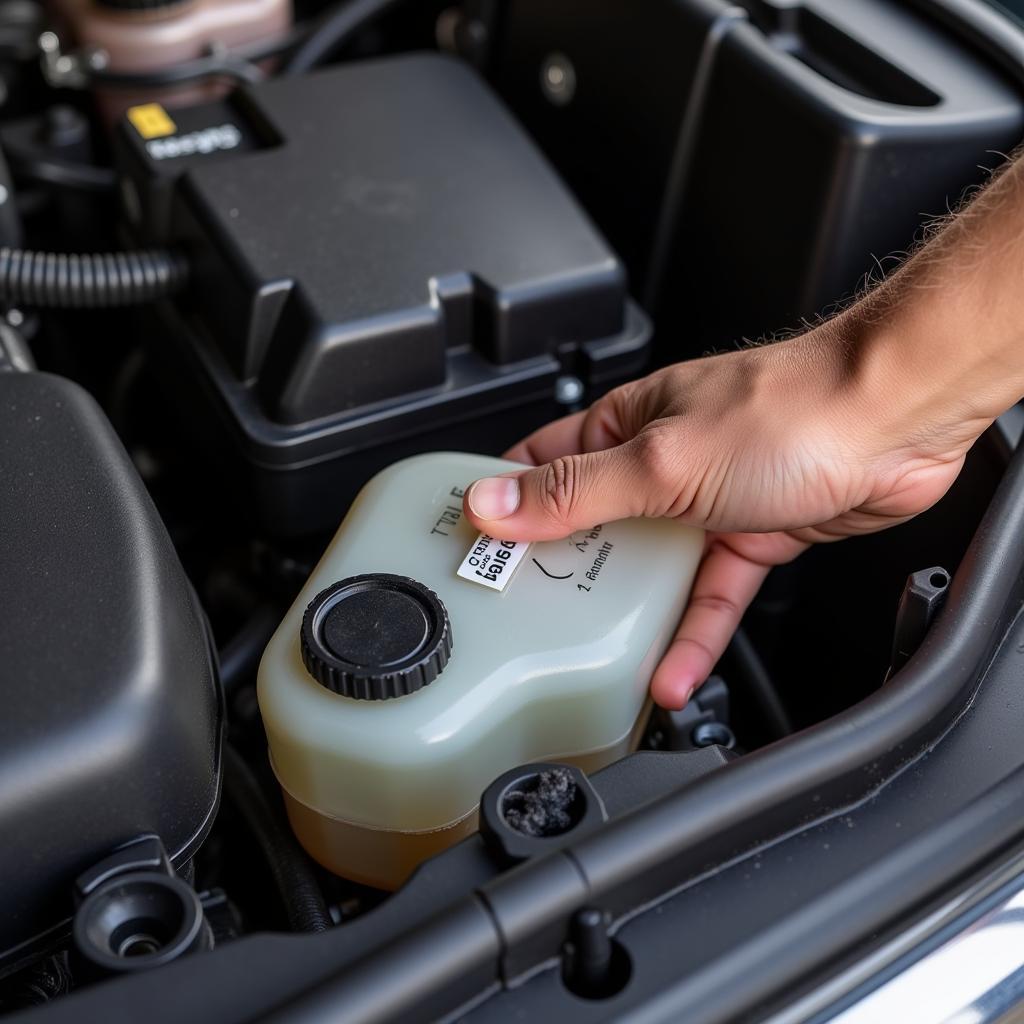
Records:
x=684, y=691
x=495, y=497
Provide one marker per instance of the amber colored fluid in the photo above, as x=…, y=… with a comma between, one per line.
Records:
x=384, y=858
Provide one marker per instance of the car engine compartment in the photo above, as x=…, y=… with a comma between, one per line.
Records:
x=236, y=288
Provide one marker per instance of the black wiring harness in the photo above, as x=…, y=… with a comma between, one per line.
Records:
x=85, y=280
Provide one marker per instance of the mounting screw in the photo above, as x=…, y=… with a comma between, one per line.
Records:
x=568, y=390
x=558, y=79
x=68, y=70
x=712, y=734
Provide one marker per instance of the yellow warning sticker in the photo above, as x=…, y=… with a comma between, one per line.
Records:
x=151, y=121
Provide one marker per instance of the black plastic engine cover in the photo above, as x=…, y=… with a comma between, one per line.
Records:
x=110, y=712
x=378, y=251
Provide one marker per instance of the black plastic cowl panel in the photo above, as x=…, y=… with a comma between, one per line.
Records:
x=110, y=712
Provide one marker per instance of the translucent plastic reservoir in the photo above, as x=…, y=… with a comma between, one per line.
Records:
x=551, y=651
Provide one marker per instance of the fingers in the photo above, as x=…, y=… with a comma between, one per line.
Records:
x=562, y=437
x=725, y=585
x=567, y=493
x=583, y=477
x=591, y=430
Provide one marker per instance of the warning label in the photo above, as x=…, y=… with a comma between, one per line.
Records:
x=491, y=562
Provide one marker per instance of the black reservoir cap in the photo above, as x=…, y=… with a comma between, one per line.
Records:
x=376, y=636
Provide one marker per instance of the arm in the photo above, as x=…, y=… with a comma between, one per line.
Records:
x=858, y=424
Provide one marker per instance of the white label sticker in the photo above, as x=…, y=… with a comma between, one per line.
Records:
x=491, y=562
x=206, y=140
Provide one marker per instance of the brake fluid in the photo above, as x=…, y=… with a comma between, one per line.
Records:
x=421, y=660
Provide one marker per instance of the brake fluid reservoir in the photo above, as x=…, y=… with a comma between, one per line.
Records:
x=421, y=661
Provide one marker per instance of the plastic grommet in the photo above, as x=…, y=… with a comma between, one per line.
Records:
x=137, y=921
x=711, y=734
x=567, y=804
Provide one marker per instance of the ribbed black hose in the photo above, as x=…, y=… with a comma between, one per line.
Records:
x=53, y=280
x=303, y=901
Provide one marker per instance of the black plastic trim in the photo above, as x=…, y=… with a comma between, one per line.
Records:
x=409, y=980
x=758, y=970
x=983, y=26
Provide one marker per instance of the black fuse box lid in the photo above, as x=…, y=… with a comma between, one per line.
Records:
x=368, y=221
x=380, y=256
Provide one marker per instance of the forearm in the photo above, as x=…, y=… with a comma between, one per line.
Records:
x=944, y=336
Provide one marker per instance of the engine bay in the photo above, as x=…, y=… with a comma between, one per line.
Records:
x=264, y=321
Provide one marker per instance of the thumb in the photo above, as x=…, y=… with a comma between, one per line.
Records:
x=570, y=493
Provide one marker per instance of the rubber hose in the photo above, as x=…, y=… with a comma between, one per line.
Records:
x=303, y=901
x=335, y=29
x=64, y=174
x=52, y=280
x=760, y=685
x=240, y=656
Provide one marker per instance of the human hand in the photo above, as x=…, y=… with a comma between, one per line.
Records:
x=769, y=449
